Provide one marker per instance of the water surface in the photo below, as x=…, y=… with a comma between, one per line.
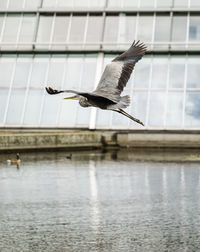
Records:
x=115, y=201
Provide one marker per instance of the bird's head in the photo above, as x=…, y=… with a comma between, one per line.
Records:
x=83, y=101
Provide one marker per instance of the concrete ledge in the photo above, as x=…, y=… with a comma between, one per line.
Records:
x=162, y=139
x=48, y=140
x=81, y=139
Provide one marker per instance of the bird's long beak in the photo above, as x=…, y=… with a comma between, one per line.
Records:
x=75, y=97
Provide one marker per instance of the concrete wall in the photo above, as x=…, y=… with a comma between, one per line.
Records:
x=24, y=140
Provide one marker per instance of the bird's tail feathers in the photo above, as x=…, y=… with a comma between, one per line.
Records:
x=124, y=101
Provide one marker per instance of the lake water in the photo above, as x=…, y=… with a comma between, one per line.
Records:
x=140, y=200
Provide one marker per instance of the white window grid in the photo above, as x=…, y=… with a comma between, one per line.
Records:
x=92, y=123
x=118, y=45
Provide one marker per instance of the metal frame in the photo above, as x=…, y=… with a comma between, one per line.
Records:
x=107, y=10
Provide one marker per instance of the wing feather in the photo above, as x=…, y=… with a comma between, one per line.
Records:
x=118, y=72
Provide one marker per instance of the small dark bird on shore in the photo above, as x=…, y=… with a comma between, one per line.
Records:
x=69, y=156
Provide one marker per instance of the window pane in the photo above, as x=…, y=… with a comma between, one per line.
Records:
x=139, y=106
x=49, y=3
x=83, y=116
x=32, y=113
x=164, y=3
x=94, y=35
x=119, y=121
x=146, y=3
x=127, y=28
x=89, y=72
x=81, y=3
x=141, y=73
x=77, y=31
x=64, y=3
x=174, y=109
x=1, y=22
x=27, y=30
x=15, y=106
x=55, y=79
x=74, y=65
x=3, y=4
x=194, y=29
x=162, y=31
x=11, y=30
x=44, y=30
x=103, y=118
x=32, y=4
x=13, y=4
x=97, y=3
x=68, y=113
x=50, y=109
x=156, y=108
x=179, y=30
x=130, y=3
x=177, y=72
x=56, y=71
x=61, y=27
x=21, y=72
x=159, y=72
x=3, y=101
x=193, y=80
x=39, y=69
x=115, y=3
x=180, y=3
x=145, y=28
x=194, y=3
x=192, y=109
x=110, y=34
x=36, y=90
x=6, y=70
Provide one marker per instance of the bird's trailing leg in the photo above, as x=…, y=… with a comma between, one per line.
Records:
x=121, y=111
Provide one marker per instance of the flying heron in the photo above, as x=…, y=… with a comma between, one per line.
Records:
x=107, y=95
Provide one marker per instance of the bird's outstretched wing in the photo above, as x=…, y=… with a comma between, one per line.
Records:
x=118, y=72
x=52, y=91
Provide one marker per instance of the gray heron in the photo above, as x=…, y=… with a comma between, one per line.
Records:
x=107, y=95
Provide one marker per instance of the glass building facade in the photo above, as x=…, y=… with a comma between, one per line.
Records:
x=66, y=44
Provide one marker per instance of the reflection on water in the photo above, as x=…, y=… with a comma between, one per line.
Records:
x=94, y=196
x=115, y=201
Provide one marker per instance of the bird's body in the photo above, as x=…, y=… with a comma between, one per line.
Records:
x=107, y=95
x=14, y=161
